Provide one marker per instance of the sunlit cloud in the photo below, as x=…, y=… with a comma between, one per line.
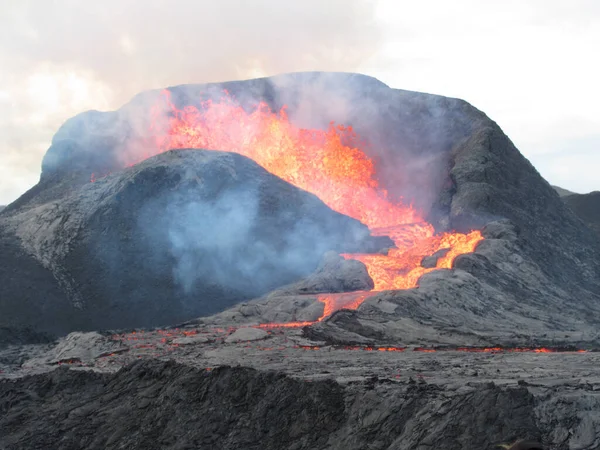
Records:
x=127, y=45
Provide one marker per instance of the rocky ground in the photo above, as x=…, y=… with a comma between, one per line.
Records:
x=197, y=387
x=289, y=350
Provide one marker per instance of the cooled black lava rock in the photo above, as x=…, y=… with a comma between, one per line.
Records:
x=431, y=261
x=22, y=336
x=152, y=405
x=185, y=233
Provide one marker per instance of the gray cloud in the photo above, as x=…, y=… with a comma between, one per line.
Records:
x=67, y=56
x=529, y=64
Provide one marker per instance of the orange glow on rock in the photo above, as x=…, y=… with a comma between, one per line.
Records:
x=401, y=267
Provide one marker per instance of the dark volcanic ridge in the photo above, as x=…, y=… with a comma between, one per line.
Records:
x=192, y=233
x=587, y=207
x=562, y=192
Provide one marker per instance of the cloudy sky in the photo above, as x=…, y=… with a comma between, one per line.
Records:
x=529, y=64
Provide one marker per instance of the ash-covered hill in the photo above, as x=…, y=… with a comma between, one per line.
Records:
x=587, y=207
x=181, y=234
x=537, y=274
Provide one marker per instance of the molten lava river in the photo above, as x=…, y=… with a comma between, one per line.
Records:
x=329, y=164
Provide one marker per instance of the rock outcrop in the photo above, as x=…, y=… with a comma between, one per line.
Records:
x=334, y=274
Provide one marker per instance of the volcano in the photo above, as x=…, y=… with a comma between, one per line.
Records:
x=267, y=176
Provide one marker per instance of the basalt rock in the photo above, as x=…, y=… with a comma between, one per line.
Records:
x=430, y=262
x=152, y=405
x=22, y=336
x=496, y=296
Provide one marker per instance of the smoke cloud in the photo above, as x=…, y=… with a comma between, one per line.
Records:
x=67, y=56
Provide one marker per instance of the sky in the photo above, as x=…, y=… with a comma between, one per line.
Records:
x=528, y=64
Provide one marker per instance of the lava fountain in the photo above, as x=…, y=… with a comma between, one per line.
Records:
x=328, y=163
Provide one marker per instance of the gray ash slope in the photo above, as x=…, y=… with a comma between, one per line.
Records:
x=117, y=252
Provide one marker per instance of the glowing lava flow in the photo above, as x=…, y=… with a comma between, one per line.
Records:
x=332, y=303
x=329, y=164
x=401, y=267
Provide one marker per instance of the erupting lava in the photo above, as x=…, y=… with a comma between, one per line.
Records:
x=329, y=164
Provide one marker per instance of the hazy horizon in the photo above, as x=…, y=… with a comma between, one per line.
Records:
x=527, y=64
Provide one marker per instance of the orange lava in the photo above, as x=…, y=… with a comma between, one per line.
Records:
x=401, y=267
x=453, y=349
x=335, y=302
x=268, y=326
x=329, y=164
x=332, y=303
